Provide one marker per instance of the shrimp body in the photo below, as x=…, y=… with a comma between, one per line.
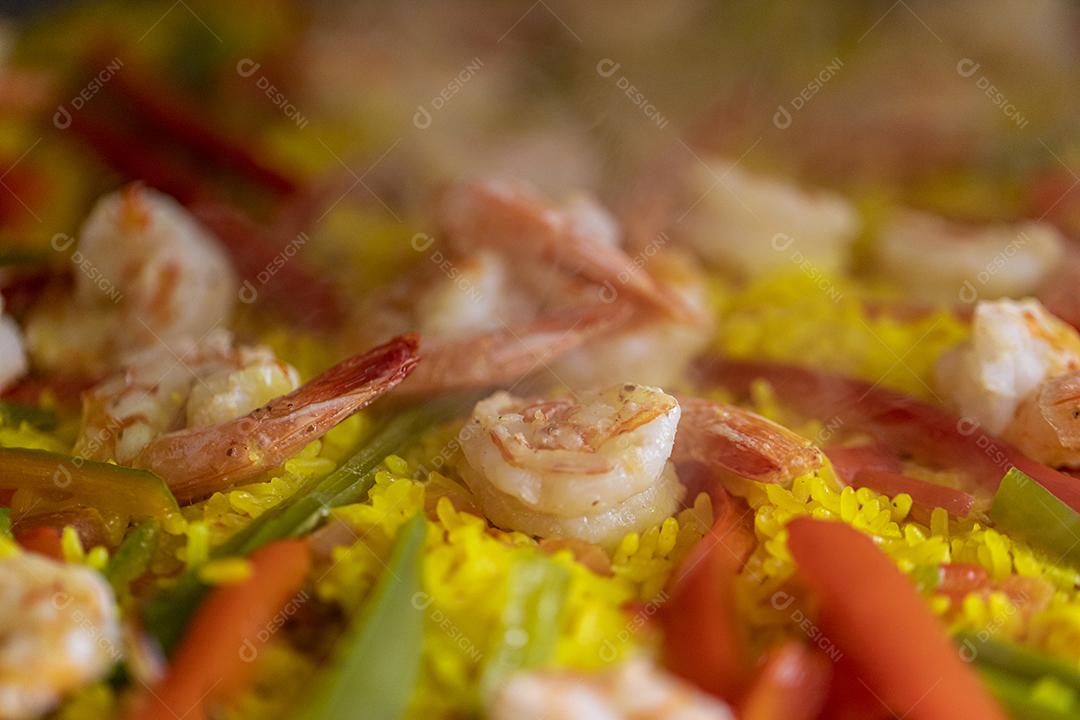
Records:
x=1015, y=346
x=151, y=274
x=59, y=630
x=752, y=224
x=950, y=260
x=636, y=690
x=593, y=469
x=200, y=432
x=203, y=384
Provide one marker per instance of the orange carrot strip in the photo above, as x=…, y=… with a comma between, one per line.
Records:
x=874, y=615
x=792, y=684
x=224, y=636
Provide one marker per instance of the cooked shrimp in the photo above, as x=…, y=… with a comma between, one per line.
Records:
x=740, y=445
x=12, y=350
x=1047, y=424
x=59, y=630
x=149, y=274
x=1016, y=345
x=635, y=690
x=752, y=223
x=950, y=260
x=489, y=316
x=593, y=469
x=206, y=437
x=580, y=237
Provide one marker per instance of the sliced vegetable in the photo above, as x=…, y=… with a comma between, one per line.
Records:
x=132, y=558
x=927, y=432
x=1043, y=699
x=1025, y=509
x=167, y=615
x=1016, y=659
x=14, y=414
x=703, y=641
x=791, y=685
x=5, y=523
x=124, y=490
x=43, y=541
x=908, y=661
x=925, y=496
x=848, y=461
x=530, y=621
x=228, y=628
x=379, y=658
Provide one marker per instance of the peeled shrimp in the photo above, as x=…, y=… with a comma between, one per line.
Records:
x=635, y=690
x=951, y=261
x=1015, y=346
x=752, y=223
x=12, y=350
x=59, y=630
x=213, y=427
x=148, y=273
x=740, y=445
x=494, y=313
x=592, y=469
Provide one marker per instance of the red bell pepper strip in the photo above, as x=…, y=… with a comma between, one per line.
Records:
x=703, y=641
x=848, y=461
x=927, y=432
x=227, y=629
x=874, y=615
x=792, y=684
x=925, y=496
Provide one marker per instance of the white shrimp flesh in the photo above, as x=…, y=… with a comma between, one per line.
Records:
x=592, y=469
x=635, y=690
x=59, y=630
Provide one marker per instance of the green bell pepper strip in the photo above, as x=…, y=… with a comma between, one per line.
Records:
x=1025, y=509
x=132, y=558
x=125, y=490
x=167, y=615
x=375, y=669
x=16, y=413
x=530, y=621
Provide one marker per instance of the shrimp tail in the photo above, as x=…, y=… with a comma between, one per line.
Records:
x=503, y=357
x=739, y=445
x=196, y=462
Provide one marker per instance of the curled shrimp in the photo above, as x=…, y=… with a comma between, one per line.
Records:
x=199, y=460
x=740, y=445
x=60, y=631
x=950, y=260
x=148, y=273
x=1015, y=346
x=592, y=469
x=635, y=690
x=584, y=313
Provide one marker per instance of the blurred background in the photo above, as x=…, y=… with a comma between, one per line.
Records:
x=963, y=108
